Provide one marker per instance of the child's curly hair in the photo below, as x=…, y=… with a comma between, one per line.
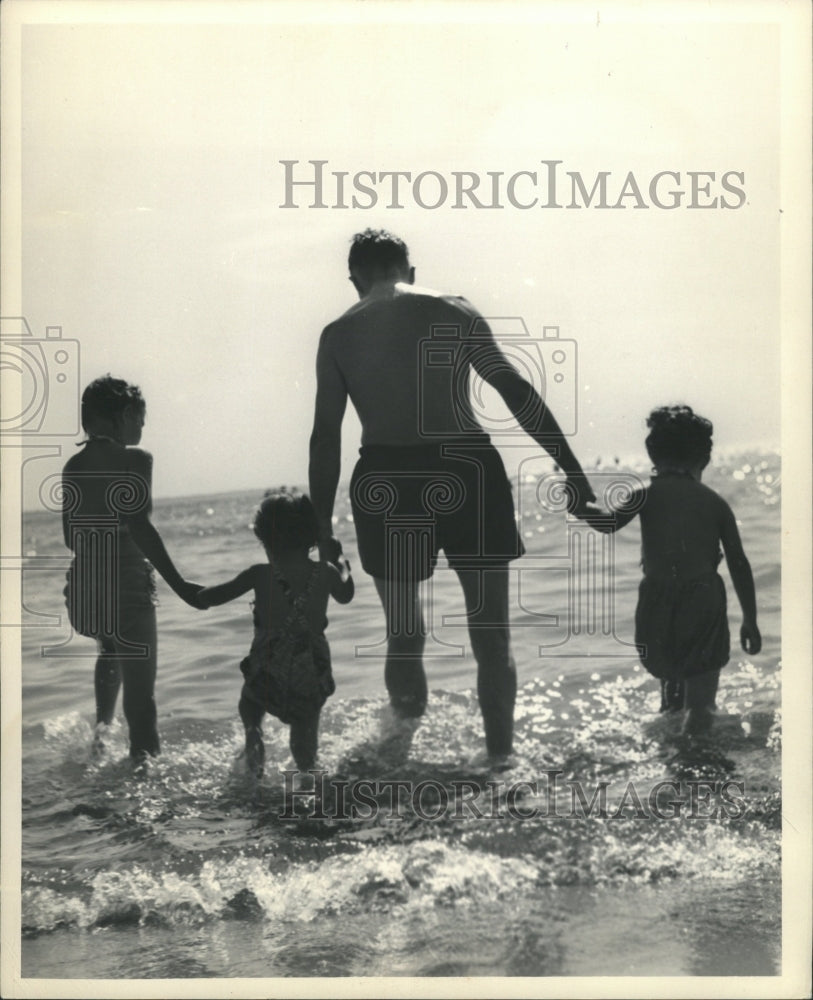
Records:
x=106, y=398
x=678, y=438
x=286, y=521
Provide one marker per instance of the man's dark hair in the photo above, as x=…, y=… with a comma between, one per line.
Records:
x=376, y=251
x=678, y=437
x=107, y=398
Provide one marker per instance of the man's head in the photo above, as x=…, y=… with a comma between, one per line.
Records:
x=376, y=255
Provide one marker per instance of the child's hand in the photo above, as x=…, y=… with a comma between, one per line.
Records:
x=750, y=638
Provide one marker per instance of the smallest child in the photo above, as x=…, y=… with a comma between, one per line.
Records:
x=681, y=625
x=287, y=671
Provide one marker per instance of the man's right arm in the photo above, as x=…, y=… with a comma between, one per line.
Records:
x=326, y=437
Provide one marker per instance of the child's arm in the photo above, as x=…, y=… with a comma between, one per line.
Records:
x=340, y=582
x=743, y=580
x=222, y=593
x=609, y=521
x=147, y=538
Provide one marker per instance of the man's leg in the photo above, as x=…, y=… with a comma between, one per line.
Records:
x=486, y=594
x=406, y=635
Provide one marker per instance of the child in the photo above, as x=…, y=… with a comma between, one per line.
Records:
x=681, y=627
x=287, y=671
x=110, y=590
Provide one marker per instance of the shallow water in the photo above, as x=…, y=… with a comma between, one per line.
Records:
x=195, y=869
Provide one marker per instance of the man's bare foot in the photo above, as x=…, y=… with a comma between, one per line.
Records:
x=494, y=763
x=101, y=740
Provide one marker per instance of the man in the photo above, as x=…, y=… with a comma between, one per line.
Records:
x=428, y=477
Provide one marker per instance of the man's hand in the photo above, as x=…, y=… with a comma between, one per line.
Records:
x=330, y=548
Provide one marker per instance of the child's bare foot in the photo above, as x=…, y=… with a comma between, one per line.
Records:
x=255, y=752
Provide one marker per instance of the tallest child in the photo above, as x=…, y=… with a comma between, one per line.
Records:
x=107, y=490
x=414, y=446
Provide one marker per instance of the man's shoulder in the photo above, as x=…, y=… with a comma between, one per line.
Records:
x=433, y=297
x=404, y=295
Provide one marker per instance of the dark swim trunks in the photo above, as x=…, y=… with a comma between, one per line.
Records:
x=411, y=501
x=682, y=626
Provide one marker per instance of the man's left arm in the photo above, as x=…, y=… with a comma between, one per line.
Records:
x=326, y=442
x=529, y=409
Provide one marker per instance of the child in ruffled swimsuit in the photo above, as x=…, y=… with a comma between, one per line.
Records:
x=110, y=592
x=681, y=626
x=287, y=672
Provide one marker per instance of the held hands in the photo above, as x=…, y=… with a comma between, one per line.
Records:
x=750, y=638
x=330, y=549
x=580, y=493
x=342, y=564
x=189, y=592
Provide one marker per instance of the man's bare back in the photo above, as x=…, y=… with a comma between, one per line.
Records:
x=376, y=348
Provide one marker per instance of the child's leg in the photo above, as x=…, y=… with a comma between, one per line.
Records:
x=673, y=694
x=106, y=683
x=139, y=672
x=251, y=713
x=701, y=693
x=304, y=739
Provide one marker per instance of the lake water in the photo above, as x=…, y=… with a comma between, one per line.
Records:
x=198, y=870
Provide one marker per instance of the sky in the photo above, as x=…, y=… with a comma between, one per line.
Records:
x=153, y=232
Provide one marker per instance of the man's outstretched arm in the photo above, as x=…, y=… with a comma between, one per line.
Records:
x=326, y=438
x=529, y=409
